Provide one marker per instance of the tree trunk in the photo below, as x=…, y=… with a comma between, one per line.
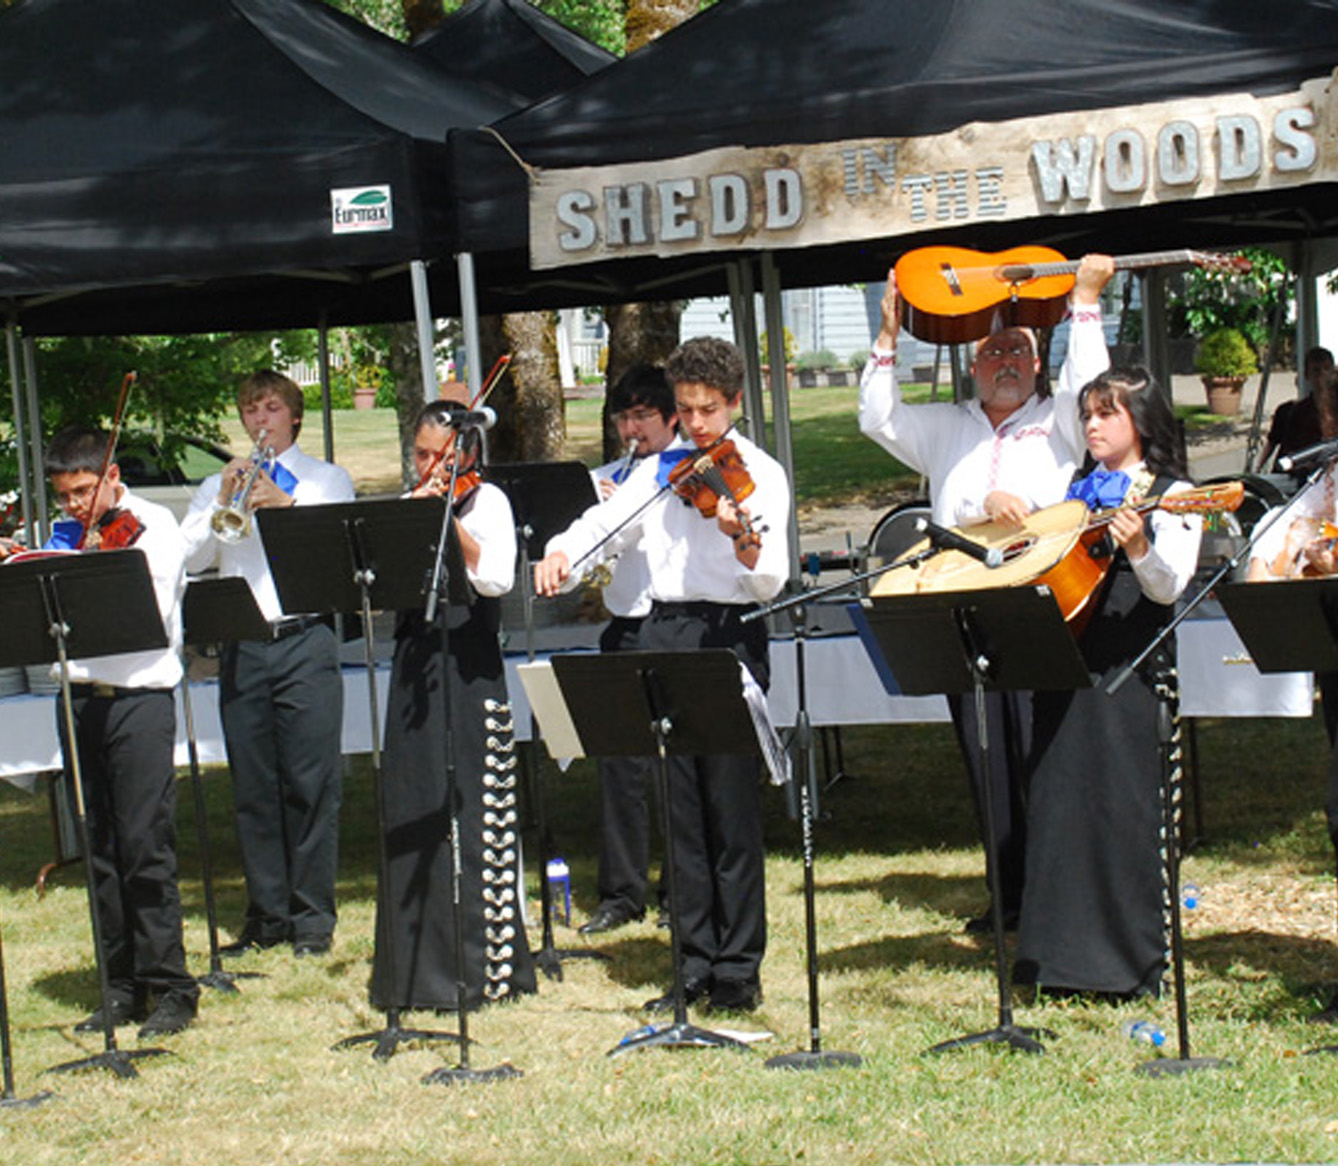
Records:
x=402, y=360
x=531, y=426
x=638, y=333
x=648, y=19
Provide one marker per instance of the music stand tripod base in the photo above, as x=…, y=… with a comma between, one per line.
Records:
x=677, y=1035
x=1017, y=1038
x=1179, y=1066
x=460, y=1075
x=388, y=1039
x=815, y=1059
x=118, y=1061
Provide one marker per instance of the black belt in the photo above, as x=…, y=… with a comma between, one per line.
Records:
x=85, y=689
x=701, y=607
x=291, y=625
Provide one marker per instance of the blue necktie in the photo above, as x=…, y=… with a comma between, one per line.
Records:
x=669, y=458
x=1101, y=489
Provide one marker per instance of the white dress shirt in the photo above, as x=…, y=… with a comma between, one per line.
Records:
x=688, y=557
x=161, y=544
x=1173, y=551
x=317, y=482
x=487, y=517
x=1032, y=454
x=627, y=593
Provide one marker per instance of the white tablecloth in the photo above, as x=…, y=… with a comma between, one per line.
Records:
x=1217, y=680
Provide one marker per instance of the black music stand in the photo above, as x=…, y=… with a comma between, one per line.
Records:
x=1298, y=635
x=214, y=611
x=973, y=641
x=546, y=498
x=806, y=778
x=644, y=704
x=55, y=609
x=365, y=556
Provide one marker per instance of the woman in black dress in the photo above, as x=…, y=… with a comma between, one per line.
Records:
x=1094, y=900
x=416, y=912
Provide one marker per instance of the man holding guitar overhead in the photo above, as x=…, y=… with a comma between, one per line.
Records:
x=998, y=457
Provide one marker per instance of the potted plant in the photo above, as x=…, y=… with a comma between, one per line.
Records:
x=1225, y=359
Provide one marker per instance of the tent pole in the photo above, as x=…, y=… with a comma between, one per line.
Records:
x=327, y=407
x=20, y=425
x=34, y=414
x=1307, y=302
x=422, y=314
x=780, y=392
x=743, y=311
x=1156, y=346
x=469, y=322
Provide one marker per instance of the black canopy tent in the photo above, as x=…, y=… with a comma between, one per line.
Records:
x=513, y=45
x=768, y=72
x=221, y=165
x=170, y=168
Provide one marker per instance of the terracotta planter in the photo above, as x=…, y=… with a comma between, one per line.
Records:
x=1223, y=394
x=364, y=397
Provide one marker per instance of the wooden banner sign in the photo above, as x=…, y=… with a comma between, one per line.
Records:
x=1061, y=164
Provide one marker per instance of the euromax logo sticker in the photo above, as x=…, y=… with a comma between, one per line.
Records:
x=360, y=208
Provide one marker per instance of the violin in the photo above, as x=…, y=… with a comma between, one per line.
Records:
x=709, y=474
x=114, y=531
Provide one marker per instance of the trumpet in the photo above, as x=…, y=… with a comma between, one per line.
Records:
x=232, y=523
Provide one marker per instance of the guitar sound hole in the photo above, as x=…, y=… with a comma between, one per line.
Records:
x=1015, y=550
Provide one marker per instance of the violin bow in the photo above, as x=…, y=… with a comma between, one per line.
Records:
x=112, y=438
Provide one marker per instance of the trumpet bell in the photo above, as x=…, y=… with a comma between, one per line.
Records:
x=230, y=525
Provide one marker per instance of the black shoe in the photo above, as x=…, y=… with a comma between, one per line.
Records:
x=984, y=924
x=122, y=1012
x=693, y=990
x=311, y=945
x=735, y=996
x=1328, y=1016
x=251, y=939
x=173, y=1014
x=609, y=916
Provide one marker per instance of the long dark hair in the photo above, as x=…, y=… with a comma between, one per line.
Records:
x=435, y=416
x=1150, y=408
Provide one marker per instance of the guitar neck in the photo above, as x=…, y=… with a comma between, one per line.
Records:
x=1018, y=272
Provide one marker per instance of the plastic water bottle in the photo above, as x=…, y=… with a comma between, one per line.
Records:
x=559, y=882
x=1189, y=896
x=1144, y=1030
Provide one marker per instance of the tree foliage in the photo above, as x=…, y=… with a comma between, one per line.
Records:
x=1212, y=300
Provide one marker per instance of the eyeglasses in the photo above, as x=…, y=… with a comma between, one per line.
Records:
x=637, y=416
x=996, y=352
x=78, y=496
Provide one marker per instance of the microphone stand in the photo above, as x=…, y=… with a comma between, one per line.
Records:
x=436, y=610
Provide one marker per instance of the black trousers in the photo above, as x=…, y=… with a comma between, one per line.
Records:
x=125, y=747
x=1008, y=734
x=716, y=812
x=282, y=706
x=624, y=848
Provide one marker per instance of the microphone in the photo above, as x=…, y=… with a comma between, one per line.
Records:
x=950, y=540
x=481, y=418
x=1325, y=451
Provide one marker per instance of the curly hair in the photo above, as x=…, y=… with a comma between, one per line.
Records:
x=1150, y=409
x=704, y=360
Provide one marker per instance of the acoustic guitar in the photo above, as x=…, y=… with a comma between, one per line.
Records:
x=1061, y=547
x=953, y=295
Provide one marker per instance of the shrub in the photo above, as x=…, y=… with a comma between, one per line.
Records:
x=1226, y=353
x=817, y=360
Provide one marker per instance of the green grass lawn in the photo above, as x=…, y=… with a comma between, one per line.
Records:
x=897, y=873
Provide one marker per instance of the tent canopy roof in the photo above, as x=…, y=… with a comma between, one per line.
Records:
x=513, y=45
x=772, y=72
x=189, y=152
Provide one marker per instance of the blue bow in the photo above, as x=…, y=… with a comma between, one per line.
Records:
x=65, y=535
x=669, y=458
x=1101, y=489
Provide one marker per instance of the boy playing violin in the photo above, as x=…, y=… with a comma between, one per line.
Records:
x=125, y=729
x=705, y=574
